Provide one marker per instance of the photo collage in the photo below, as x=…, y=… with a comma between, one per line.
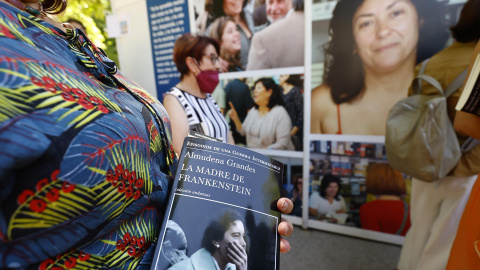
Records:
x=315, y=81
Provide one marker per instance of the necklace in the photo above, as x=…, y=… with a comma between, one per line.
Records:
x=31, y=10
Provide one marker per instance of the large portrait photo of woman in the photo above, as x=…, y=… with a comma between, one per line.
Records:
x=368, y=54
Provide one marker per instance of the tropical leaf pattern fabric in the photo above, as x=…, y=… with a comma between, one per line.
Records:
x=85, y=154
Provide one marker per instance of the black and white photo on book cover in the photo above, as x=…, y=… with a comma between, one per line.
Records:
x=222, y=213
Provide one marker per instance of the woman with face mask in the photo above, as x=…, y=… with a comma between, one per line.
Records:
x=190, y=104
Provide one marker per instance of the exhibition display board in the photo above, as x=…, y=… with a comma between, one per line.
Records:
x=340, y=66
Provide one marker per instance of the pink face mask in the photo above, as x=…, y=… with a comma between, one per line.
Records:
x=208, y=80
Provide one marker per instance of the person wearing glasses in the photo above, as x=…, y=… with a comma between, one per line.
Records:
x=190, y=104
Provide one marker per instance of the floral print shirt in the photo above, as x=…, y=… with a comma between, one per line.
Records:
x=85, y=154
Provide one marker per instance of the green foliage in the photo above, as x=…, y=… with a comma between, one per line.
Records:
x=92, y=15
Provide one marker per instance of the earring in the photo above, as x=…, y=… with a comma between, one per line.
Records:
x=217, y=245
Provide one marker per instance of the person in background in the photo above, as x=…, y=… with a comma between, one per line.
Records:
x=388, y=213
x=293, y=99
x=85, y=152
x=267, y=125
x=77, y=24
x=280, y=44
x=224, y=31
x=238, y=93
x=329, y=202
x=464, y=122
x=242, y=18
x=436, y=207
x=295, y=195
x=205, y=18
x=370, y=61
x=190, y=104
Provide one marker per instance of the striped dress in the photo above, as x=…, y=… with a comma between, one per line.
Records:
x=203, y=114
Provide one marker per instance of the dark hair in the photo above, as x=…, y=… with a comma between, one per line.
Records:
x=295, y=80
x=70, y=20
x=295, y=180
x=215, y=231
x=382, y=179
x=326, y=180
x=467, y=28
x=276, y=98
x=217, y=29
x=54, y=6
x=189, y=45
x=298, y=5
x=340, y=59
x=219, y=12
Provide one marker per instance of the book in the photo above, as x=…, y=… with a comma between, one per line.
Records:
x=469, y=101
x=221, y=194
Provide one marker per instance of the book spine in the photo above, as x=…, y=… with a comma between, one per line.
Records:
x=473, y=103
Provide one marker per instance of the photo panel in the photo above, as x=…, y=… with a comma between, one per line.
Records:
x=351, y=184
x=268, y=109
x=364, y=55
x=253, y=34
x=190, y=234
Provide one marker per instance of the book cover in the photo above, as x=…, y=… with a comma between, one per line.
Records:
x=223, y=204
x=469, y=101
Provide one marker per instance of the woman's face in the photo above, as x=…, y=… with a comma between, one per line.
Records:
x=231, y=38
x=261, y=95
x=331, y=190
x=386, y=33
x=210, y=59
x=236, y=233
x=232, y=8
x=283, y=78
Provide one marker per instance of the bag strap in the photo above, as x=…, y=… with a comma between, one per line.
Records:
x=449, y=90
x=456, y=83
x=417, y=84
x=405, y=216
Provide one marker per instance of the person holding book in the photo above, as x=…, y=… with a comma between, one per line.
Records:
x=370, y=61
x=190, y=104
x=85, y=152
x=329, y=203
x=388, y=213
x=267, y=125
x=436, y=207
x=223, y=245
x=465, y=122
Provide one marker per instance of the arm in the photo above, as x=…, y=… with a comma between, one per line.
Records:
x=344, y=206
x=467, y=124
x=178, y=120
x=317, y=112
x=298, y=122
x=257, y=57
x=230, y=139
x=234, y=117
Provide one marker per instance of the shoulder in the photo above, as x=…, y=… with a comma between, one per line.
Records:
x=322, y=100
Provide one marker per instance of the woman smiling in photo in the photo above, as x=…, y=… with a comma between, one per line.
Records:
x=369, y=70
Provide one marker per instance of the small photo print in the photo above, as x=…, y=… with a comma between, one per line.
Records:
x=207, y=234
